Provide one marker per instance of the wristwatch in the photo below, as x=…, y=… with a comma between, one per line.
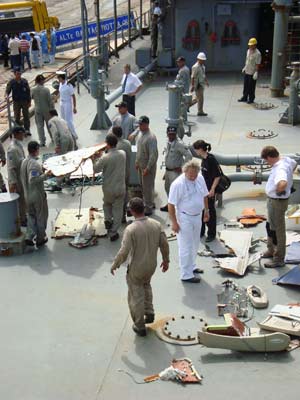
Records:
x=206, y=210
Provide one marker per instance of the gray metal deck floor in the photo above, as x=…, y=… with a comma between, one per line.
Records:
x=65, y=328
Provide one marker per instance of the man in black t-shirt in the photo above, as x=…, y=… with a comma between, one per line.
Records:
x=211, y=172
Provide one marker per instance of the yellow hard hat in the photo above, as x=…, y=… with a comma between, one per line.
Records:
x=252, y=42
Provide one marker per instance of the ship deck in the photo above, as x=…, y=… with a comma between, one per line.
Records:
x=65, y=326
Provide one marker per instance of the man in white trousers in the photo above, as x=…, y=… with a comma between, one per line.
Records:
x=67, y=101
x=187, y=199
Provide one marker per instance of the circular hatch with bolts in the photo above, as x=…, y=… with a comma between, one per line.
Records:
x=180, y=329
x=264, y=106
x=261, y=134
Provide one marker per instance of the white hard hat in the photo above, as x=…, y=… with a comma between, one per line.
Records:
x=201, y=56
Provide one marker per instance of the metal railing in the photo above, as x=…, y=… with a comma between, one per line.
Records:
x=75, y=69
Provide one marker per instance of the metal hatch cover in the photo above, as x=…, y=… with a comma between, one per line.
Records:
x=180, y=329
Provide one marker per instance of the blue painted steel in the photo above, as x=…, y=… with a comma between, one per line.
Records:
x=74, y=34
x=292, y=277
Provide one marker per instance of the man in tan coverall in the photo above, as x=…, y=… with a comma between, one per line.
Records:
x=42, y=105
x=141, y=241
x=199, y=81
x=146, y=160
x=125, y=145
x=177, y=154
x=113, y=166
x=125, y=120
x=15, y=156
x=61, y=135
x=33, y=178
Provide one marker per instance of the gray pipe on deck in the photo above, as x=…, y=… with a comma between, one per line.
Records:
x=141, y=75
x=294, y=18
x=246, y=159
x=246, y=176
x=242, y=159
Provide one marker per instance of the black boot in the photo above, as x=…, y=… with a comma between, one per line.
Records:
x=164, y=209
x=149, y=318
x=108, y=225
x=3, y=189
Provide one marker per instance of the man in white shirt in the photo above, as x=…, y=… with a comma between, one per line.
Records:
x=253, y=60
x=14, y=47
x=187, y=199
x=35, y=47
x=278, y=190
x=131, y=85
x=157, y=10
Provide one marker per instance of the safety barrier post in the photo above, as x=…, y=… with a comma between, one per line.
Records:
x=116, y=28
x=141, y=19
x=8, y=114
x=129, y=23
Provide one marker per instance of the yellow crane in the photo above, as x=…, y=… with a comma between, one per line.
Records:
x=38, y=19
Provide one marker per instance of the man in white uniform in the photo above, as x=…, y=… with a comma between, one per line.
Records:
x=131, y=85
x=253, y=59
x=187, y=199
x=67, y=97
x=278, y=190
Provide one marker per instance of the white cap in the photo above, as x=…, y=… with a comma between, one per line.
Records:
x=61, y=73
x=201, y=56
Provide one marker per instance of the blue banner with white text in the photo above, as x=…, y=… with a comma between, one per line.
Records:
x=74, y=34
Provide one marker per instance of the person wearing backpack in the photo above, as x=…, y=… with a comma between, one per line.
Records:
x=211, y=173
x=35, y=49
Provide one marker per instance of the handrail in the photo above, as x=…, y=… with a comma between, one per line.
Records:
x=4, y=104
x=95, y=49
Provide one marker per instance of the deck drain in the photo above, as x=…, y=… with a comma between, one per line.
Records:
x=261, y=134
x=264, y=106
